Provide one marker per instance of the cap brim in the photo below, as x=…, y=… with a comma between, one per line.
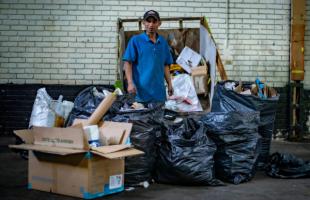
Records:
x=155, y=17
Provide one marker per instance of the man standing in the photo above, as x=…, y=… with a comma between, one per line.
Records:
x=147, y=59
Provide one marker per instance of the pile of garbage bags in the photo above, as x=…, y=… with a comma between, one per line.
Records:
x=197, y=149
x=226, y=100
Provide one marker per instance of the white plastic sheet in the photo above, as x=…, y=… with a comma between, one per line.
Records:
x=184, y=97
x=208, y=51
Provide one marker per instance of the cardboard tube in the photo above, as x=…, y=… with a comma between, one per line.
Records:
x=103, y=107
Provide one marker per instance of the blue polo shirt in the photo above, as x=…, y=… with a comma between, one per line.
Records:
x=148, y=62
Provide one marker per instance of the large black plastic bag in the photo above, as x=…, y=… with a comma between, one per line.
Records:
x=185, y=154
x=287, y=166
x=86, y=103
x=237, y=140
x=227, y=100
x=143, y=135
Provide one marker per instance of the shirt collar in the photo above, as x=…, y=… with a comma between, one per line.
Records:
x=146, y=37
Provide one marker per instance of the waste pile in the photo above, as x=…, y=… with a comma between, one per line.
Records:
x=245, y=97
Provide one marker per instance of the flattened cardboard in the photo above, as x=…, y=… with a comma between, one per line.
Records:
x=59, y=137
x=120, y=154
x=111, y=148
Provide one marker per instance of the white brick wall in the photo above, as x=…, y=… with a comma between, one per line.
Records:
x=74, y=41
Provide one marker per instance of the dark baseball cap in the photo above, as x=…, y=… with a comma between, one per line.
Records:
x=151, y=13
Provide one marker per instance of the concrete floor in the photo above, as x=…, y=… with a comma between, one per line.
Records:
x=13, y=181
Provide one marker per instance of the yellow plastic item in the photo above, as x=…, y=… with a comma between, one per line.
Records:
x=174, y=67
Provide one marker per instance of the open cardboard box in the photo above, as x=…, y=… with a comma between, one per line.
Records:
x=61, y=161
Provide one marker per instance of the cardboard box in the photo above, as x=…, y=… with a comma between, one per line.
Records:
x=61, y=161
x=200, y=79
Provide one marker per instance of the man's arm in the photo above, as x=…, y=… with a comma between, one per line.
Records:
x=168, y=80
x=128, y=72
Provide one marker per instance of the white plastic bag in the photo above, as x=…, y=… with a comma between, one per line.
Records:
x=42, y=114
x=184, y=97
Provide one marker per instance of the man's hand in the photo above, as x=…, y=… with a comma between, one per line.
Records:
x=168, y=80
x=170, y=90
x=131, y=88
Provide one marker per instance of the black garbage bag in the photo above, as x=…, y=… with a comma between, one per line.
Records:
x=122, y=102
x=225, y=100
x=143, y=135
x=185, y=154
x=123, y=105
x=287, y=166
x=236, y=137
x=86, y=102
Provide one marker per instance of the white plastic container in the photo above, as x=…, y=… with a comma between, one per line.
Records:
x=92, y=134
